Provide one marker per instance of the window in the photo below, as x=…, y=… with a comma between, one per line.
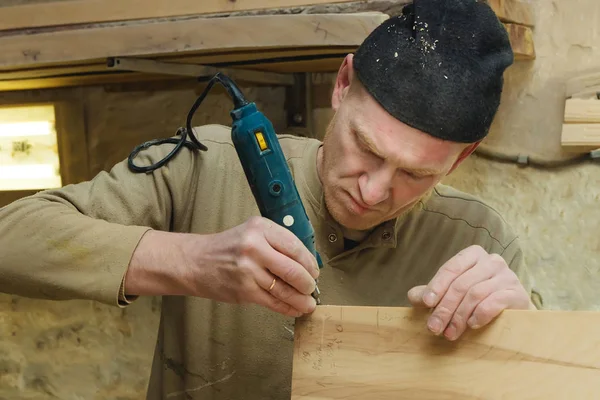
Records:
x=28, y=148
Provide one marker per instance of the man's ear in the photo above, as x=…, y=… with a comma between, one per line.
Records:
x=467, y=151
x=343, y=80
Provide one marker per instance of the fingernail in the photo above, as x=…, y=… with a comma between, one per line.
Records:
x=450, y=332
x=473, y=323
x=429, y=298
x=435, y=325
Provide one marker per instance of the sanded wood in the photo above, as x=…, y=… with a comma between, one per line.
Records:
x=514, y=11
x=581, y=135
x=93, y=11
x=582, y=111
x=521, y=41
x=187, y=36
x=387, y=353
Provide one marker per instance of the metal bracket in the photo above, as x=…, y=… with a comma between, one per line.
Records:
x=198, y=71
x=298, y=85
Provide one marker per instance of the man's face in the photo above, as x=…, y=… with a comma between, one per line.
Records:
x=372, y=166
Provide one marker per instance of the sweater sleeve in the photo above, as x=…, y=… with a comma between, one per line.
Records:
x=513, y=254
x=76, y=242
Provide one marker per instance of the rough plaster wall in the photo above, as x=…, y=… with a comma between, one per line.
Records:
x=557, y=213
x=81, y=349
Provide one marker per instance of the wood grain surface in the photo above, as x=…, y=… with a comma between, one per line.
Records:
x=387, y=353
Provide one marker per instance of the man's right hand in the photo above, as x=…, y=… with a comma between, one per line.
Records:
x=257, y=262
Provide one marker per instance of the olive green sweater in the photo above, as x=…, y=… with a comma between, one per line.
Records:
x=76, y=243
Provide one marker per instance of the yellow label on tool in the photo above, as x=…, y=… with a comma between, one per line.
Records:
x=262, y=143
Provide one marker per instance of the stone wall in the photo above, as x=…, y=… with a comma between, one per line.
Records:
x=83, y=350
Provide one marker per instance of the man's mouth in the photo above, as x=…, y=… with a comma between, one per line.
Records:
x=357, y=206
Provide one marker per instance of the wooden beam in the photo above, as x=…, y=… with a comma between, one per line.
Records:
x=514, y=11
x=184, y=37
x=99, y=11
x=585, y=136
x=521, y=40
x=81, y=80
x=388, y=353
x=196, y=71
x=582, y=111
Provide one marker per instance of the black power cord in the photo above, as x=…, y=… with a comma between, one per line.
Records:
x=238, y=100
x=526, y=160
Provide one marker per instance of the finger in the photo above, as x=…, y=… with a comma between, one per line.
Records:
x=287, y=269
x=475, y=295
x=452, y=269
x=491, y=307
x=285, y=242
x=415, y=296
x=265, y=299
x=284, y=292
x=446, y=309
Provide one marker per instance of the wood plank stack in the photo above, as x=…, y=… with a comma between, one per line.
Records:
x=517, y=18
x=345, y=352
x=581, y=127
x=68, y=43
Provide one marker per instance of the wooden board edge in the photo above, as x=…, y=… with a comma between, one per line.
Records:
x=580, y=136
x=76, y=12
x=582, y=111
x=521, y=40
x=185, y=37
x=513, y=11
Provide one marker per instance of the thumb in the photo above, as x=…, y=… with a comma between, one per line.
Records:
x=415, y=296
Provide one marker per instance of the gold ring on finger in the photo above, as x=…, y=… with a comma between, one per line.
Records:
x=272, y=284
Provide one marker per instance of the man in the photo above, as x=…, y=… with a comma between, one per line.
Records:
x=411, y=104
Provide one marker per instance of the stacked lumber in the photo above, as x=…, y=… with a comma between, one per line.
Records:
x=70, y=43
x=517, y=18
x=346, y=352
x=581, y=125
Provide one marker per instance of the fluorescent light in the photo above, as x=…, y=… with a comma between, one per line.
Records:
x=34, y=128
x=27, y=171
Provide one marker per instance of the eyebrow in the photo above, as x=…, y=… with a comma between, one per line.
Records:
x=371, y=146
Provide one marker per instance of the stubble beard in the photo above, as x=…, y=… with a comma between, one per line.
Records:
x=336, y=207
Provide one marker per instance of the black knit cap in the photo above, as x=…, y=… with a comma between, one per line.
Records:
x=438, y=67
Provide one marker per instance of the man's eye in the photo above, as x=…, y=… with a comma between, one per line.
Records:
x=411, y=175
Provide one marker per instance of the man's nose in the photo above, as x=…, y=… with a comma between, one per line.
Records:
x=376, y=186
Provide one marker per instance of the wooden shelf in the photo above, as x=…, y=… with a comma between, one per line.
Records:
x=78, y=56
x=68, y=43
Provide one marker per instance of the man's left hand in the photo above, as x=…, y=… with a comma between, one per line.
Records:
x=469, y=290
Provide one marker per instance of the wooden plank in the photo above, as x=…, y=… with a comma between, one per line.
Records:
x=72, y=142
x=196, y=71
x=276, y=60
x=81, y=80
x=183, y=37
x=582, y=111
x=513, y=11
x=96, y=11
x=387, y=353
x=66, y=80
x=521, y=40
x=581, y=135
